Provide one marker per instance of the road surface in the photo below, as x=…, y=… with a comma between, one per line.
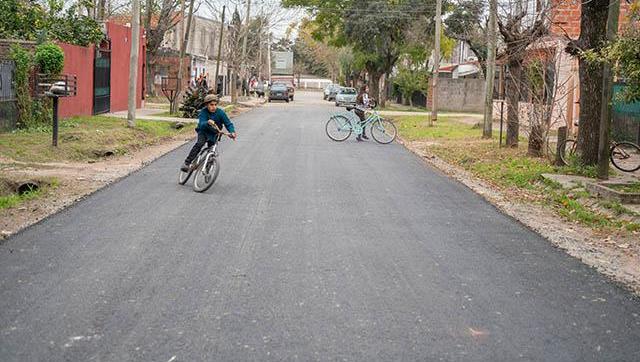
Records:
x=304, y=249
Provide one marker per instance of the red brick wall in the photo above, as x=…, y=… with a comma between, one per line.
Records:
x=565, y=17
x=78, y=61
x=120, y=47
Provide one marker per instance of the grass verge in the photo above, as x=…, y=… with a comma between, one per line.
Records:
x=85, y=138
x=511, y=170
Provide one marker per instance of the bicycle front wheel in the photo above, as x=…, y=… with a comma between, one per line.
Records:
x=338, y=128
x=625, y=156
x=383, y=131
x=206, y=174
x=569, y=152
x=183, y=177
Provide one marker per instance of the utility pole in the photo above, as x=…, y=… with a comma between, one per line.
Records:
x=224, y=7
x=133, y=63
x=607, y=90
x=269, y=57
x=181, y=37
x=491, y=68
x=436, y=65
x=244, y=42
x=183, y=49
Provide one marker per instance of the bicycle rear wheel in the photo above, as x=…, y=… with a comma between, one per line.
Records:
x=338, y=128
x=206, y=174
x=383, y=131
x=625, y=156
x=569, y=153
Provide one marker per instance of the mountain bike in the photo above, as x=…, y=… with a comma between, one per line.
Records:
x=206, y=166
x=340, y=126
x=625, y=156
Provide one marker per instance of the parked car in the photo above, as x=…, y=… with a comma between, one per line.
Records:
x=333, y=92
x=327, y=90
x=290, y=88
x=279, y=91
x=346, y=97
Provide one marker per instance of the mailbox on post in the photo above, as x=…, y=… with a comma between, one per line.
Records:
x=170, y=90
x=54, y=87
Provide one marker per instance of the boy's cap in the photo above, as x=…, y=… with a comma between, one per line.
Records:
x=210, y=98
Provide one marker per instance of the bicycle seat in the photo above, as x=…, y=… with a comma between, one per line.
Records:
x=350, y=108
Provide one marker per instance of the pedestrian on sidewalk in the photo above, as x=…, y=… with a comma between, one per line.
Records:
x=362, y=104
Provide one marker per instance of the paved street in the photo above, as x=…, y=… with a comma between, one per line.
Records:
x=304, y=249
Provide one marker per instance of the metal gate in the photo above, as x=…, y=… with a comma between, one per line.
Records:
x=8, y=106
x=102, y=81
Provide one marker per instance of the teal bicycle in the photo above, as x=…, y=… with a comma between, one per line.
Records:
x=341, y=125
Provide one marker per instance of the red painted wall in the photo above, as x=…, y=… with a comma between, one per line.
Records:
x=78, y=61
x=565, y=17
x=120, y=48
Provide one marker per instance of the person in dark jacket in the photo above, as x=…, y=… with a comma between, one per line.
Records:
x=209, y=118
x=362, y=104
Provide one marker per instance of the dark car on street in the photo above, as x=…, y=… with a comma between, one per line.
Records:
x=279, y=91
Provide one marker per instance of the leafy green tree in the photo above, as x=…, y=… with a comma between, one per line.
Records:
x=29, y=20
x=376, y=30
x=624, y=55
x=467, y=22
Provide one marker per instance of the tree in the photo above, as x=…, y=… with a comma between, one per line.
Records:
x=29, y=20
x=375, y=29
x=467, y=23
x=593, y=26
x=624, y=55
x=167, y=18
x=517, y=38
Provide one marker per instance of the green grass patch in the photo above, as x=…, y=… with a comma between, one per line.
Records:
x=519, y=172
x=85, y=138
x=403, y=108
x=417, y=128
x=12, y=199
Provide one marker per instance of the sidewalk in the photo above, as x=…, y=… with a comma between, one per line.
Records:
x=150, y=110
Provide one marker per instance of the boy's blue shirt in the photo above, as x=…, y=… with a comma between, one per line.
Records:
x=219, y=117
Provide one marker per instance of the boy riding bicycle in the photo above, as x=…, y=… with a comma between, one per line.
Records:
x=210, y=119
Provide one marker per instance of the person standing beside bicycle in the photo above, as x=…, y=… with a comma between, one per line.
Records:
x=210, y=119
x=362, y=104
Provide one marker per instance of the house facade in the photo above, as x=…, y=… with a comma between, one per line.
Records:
x=201, y=51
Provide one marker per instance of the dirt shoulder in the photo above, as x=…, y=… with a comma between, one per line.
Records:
x=65, y=182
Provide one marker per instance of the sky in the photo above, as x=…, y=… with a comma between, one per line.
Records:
x=213, y=9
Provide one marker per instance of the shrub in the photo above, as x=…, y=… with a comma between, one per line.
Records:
x=50, y=58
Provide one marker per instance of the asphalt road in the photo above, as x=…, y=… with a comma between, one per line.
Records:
x=304, y=249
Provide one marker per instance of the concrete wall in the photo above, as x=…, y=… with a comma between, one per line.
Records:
x=460, y=95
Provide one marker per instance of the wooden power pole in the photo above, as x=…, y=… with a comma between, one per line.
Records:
x=244, y=71
x=224, y=7
x=133, y=63
x=491, y=68
x=607, y=91
x=436, y=65
x=183, y=49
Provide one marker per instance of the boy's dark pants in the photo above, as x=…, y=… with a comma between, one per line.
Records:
x=202, y=139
